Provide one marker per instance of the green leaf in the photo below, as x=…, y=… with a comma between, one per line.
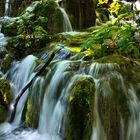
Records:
x=40, y=29
x=42, y=20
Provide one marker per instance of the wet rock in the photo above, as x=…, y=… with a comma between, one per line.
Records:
x=80, y=112
x=79, y=17
x=113, y=106
x=5, y=65
x=48, y=9
x=2, y=9
x=3, y=113
x=5, y=98
x=119, y=80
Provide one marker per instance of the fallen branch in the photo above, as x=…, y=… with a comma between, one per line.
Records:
x=13, y=111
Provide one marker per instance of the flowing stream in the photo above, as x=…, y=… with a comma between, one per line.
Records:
x=44, y=106
x=50, y=93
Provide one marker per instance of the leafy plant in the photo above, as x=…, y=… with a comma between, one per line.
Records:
x=111, y=39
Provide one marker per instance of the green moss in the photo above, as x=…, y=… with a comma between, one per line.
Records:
x=81, y=107
x=5, y=98
x=32, y=115
x=6, y=63
x=33, y=105
x=112, y=59
x=5, y=91
x=78, y=56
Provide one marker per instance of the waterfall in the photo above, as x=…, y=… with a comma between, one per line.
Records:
x=47, y=122
x=66, y=21
x=7, y=8
x=49, y=96
x=19, y=75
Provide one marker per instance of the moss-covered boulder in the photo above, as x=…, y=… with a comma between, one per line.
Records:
x=117, y=88
x=5, y=98
x=113, y=105
x=80, y=114
x=47, y=9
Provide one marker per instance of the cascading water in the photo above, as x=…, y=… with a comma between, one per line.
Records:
x=7, y=8
x=116, y=105
x=3, y=41
x=67, y=24
x=72, y=100
x=66, y=21
x=18, y=76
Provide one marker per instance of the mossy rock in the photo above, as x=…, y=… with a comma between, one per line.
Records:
x=76, y=11
x=115, y=58
x=113, y=105
x=128, y=67
x=80, y=115
x=6, y=63
x=5, y=91
x=33, y=105
x=5, y=98
x=2, y=9
x=32, y=114
x=48, y=9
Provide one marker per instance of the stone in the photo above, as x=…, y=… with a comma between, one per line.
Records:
x=6, y=63
x=5, y=98
x=80, y=114
x=78, y=16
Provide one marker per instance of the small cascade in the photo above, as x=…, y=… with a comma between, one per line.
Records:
x=19, y=75
x=48, y=122
x=67, y=24
x=66, y=21
x=134, y=123
x=114, y=103
x=125, y=124
x=7, y=8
